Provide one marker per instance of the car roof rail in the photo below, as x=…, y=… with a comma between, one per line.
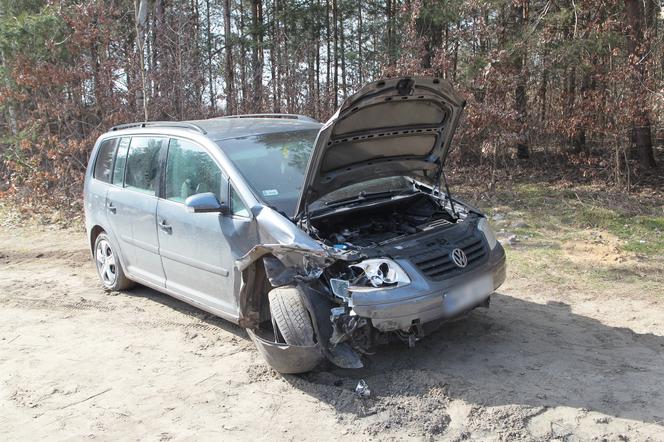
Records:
x=174, y=124
x=285, y=116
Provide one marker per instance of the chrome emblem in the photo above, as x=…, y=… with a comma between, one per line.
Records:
x=459, y=258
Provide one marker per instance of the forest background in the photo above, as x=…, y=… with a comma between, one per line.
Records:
x=568, y=90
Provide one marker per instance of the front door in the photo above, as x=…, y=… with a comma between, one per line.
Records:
x=195, y=252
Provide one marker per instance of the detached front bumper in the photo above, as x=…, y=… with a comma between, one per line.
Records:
x=422, y=301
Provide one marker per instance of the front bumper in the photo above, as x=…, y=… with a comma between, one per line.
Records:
x=422, y=300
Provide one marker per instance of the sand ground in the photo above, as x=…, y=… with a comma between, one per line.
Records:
x=543, y=363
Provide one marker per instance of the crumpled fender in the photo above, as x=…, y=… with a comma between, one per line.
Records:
x=290, y=262
x=287, y=359
x=296, y=256
x=291, y=257
x=341, y=355
x=298, y=359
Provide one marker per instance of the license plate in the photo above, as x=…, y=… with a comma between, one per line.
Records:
x=462, y=297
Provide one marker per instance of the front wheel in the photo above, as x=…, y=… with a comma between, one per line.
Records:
x=108, y=265
x=290, y=317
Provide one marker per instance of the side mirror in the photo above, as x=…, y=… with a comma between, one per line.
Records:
x=206, y=202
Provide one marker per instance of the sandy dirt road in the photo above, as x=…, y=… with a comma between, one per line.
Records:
x=542, y=363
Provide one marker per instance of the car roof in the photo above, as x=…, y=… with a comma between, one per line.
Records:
x=223, y=128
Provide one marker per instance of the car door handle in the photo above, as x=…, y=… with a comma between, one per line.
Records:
x=112, y=208
x=165, y=227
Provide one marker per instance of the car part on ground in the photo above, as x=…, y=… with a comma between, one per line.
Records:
x=362, y=389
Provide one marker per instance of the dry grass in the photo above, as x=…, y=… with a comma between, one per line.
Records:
x=585, y=238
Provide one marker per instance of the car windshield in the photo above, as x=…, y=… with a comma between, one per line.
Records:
x=273, y=164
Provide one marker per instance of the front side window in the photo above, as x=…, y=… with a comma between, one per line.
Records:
x=104, y=162
x=190, y=170
x=143, y=164
x=237, y=206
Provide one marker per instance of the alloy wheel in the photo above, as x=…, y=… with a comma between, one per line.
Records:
x=106, y=265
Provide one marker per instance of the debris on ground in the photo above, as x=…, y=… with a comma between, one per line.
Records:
x=362, y=389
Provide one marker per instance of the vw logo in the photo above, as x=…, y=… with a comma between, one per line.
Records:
x=459, y=258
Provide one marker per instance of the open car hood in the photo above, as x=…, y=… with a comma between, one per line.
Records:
x=396, y=126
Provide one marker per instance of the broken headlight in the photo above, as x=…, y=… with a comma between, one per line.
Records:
x=484, y=226
x=378, y=273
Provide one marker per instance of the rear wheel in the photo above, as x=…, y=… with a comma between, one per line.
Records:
x=108, y=265
x=290, y=317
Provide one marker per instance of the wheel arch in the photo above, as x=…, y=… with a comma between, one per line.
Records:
x=94, y=233
x=97, y=230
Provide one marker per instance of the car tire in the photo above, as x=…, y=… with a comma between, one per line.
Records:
x=290, y=316
x=109, y=266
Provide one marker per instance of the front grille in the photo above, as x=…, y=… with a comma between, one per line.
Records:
x=437, y=263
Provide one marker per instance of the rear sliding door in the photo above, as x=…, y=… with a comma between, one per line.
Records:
x=132, y=206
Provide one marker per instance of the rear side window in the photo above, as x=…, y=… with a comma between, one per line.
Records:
x=190, y=170
x=143, y=164
x=120, y=161
x=104, y=162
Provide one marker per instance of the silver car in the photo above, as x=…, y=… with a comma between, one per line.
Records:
x=322, y=240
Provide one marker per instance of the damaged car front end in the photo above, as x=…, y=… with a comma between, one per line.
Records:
x=377, y=249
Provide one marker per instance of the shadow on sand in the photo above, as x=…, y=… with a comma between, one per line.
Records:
x=516, y=352
x=186, y=309
x=519, y=352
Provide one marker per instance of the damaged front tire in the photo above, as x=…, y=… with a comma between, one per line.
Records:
x=290, y=318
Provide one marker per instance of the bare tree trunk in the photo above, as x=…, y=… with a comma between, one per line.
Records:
x=157, y=58
x=310, y=104
x=209, y=42
x=281, y=53
x=317, y=110
x=335, y=19
x=328, y=59
x=519, y=15
x=391, y=56
x=638, y=46
x=273, y=56
x=231, y=106
x=286, y=77
x=257, y=53
x=196, y=64
x=141, y=14
x=571, y=91
x=455, y=58
x=244, y=102
x=342, y=39
x=579, y=137
x=359, y=44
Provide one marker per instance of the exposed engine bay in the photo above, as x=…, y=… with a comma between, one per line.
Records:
x=379, y=253
x=382, y=223
x=368, y=231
